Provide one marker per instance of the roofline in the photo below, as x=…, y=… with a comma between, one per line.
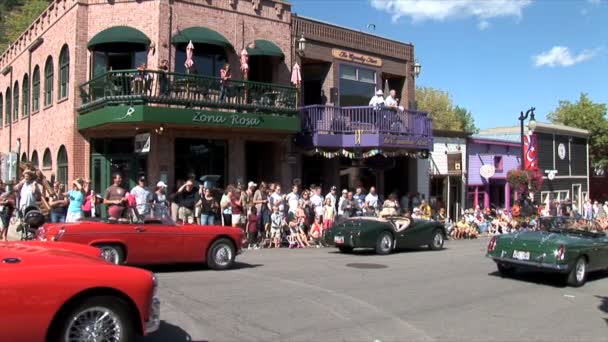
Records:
x=352, y=29
x=441, y=133
x=541, y=127
x=478, y=140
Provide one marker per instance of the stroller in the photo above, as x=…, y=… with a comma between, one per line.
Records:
x=29, y=221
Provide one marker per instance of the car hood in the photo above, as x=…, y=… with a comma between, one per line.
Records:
x=36, y=253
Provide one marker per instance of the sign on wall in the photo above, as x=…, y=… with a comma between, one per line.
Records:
x=561, y=151
x=142, y=143
x=487, y=171
x=356, y=57
x=8, y=162
x=531, y=152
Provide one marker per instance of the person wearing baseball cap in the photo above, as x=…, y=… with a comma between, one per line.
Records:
x=160, y=205
x=143, y=196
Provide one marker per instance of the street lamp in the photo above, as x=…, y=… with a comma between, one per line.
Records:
x=531, y=127
x=417, y=69
x=301, y=45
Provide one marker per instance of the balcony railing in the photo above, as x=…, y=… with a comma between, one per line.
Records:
x=188, y=90
x=364, y=120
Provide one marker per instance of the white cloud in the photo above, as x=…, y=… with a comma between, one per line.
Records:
x=483, y=25
x=421, y=10
x=560, y=56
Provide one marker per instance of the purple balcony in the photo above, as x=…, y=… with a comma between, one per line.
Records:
x=365, y=128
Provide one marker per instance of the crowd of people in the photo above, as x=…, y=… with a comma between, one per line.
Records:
x=268, y=216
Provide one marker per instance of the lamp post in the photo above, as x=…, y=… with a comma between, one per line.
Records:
x=417, y=68
x=531, y=127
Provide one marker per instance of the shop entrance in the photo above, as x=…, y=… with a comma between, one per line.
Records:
x=201, y=157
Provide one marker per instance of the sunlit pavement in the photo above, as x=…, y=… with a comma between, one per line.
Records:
x=320, y=295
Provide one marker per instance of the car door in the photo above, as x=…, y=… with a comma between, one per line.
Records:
x=197, y=240
x=414, y=235
x=156, y=243
x=600, y=249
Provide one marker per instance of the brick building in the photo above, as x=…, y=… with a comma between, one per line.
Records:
x=85, y=91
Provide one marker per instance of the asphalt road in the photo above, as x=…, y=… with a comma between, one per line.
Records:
x=320, y=295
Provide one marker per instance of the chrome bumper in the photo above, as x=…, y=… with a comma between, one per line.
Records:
x=532, y=264
x=153, y=322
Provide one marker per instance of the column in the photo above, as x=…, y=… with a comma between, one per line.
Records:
x=476, y=199
x=236, y=160
x=507, y=196
x=486, y=196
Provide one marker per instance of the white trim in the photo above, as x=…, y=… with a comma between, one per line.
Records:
x=588, y=166
x=579, y=204
x=553, y=153
x=570, y=156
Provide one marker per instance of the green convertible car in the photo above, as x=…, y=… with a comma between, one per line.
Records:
x=385, y=234
x=562, y=245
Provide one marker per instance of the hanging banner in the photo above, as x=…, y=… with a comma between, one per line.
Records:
x=531, y=152
x=142, y=143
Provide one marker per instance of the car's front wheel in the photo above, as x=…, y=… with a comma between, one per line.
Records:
x=112, y=253
x=578, y=275
x=437, y=242
x=384, y=244
x=101, y=318
x=221, y=255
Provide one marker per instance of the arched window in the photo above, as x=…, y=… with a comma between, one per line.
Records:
x=48, y=81
x=64, y=72
x=16, y=101
x=47, y=160
x=62, y=166
x=36, y=89
x=25, y=96
x=23, y=158
x=34, y=159
x=7, y=110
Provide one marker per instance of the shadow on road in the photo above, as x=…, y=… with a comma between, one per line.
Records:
x=365, y=252
x=549, y=279
x=169, y=332
x=196, y=267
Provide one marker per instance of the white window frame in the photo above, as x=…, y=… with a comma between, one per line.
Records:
x=358, y=79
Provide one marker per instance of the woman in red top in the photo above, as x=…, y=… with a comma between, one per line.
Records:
x=237, y=208
x=316, y=232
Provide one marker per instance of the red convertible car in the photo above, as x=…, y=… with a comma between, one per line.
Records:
x=152, y=241
x=67, y=292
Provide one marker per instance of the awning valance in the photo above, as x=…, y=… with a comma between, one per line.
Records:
x=119, y=34
x=266, y=48
x=201, y=35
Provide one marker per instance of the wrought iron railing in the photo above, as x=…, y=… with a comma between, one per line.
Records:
x=188, y=90
x=365, y=120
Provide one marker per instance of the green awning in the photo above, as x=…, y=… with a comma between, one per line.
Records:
x=266, y=48
x=201, y=35
x=119, y=34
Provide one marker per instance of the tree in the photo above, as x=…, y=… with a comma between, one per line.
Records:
x=441, y=109
x=587, y=115
x=16, y=16
x=466, y=119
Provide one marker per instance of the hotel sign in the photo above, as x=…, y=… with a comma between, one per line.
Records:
x=356, y=57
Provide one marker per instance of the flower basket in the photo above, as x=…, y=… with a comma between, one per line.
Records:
x=523, y=180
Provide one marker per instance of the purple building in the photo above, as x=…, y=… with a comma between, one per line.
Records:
x=489, y=159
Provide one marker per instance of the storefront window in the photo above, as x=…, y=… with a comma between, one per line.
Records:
x=201, y=157
x=357, y=85
x=208, y=59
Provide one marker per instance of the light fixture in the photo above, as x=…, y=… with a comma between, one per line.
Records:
x=301, y=45
x=417, y=68
x=532, y=124
x=160, y=130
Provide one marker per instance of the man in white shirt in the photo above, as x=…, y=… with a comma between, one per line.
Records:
x=317, y=199
x=278, y=199
x=371, y=200
x=342, y=199
x=392, y=101
x=143, y=196
x=292, y=200
x=378, y=100
x=332, y=195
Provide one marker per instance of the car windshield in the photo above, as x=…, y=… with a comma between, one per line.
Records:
x=569, y=224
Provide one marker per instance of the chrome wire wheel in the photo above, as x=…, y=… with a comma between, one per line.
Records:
x=223, y=255
x=581, y=269
x=438, y=240
x=95, y=324
x=110, y=254
x=386, y=242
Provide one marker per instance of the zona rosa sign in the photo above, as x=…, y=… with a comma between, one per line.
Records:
x=227, y=120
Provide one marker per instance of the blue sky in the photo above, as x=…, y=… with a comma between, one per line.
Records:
x=495, y=57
